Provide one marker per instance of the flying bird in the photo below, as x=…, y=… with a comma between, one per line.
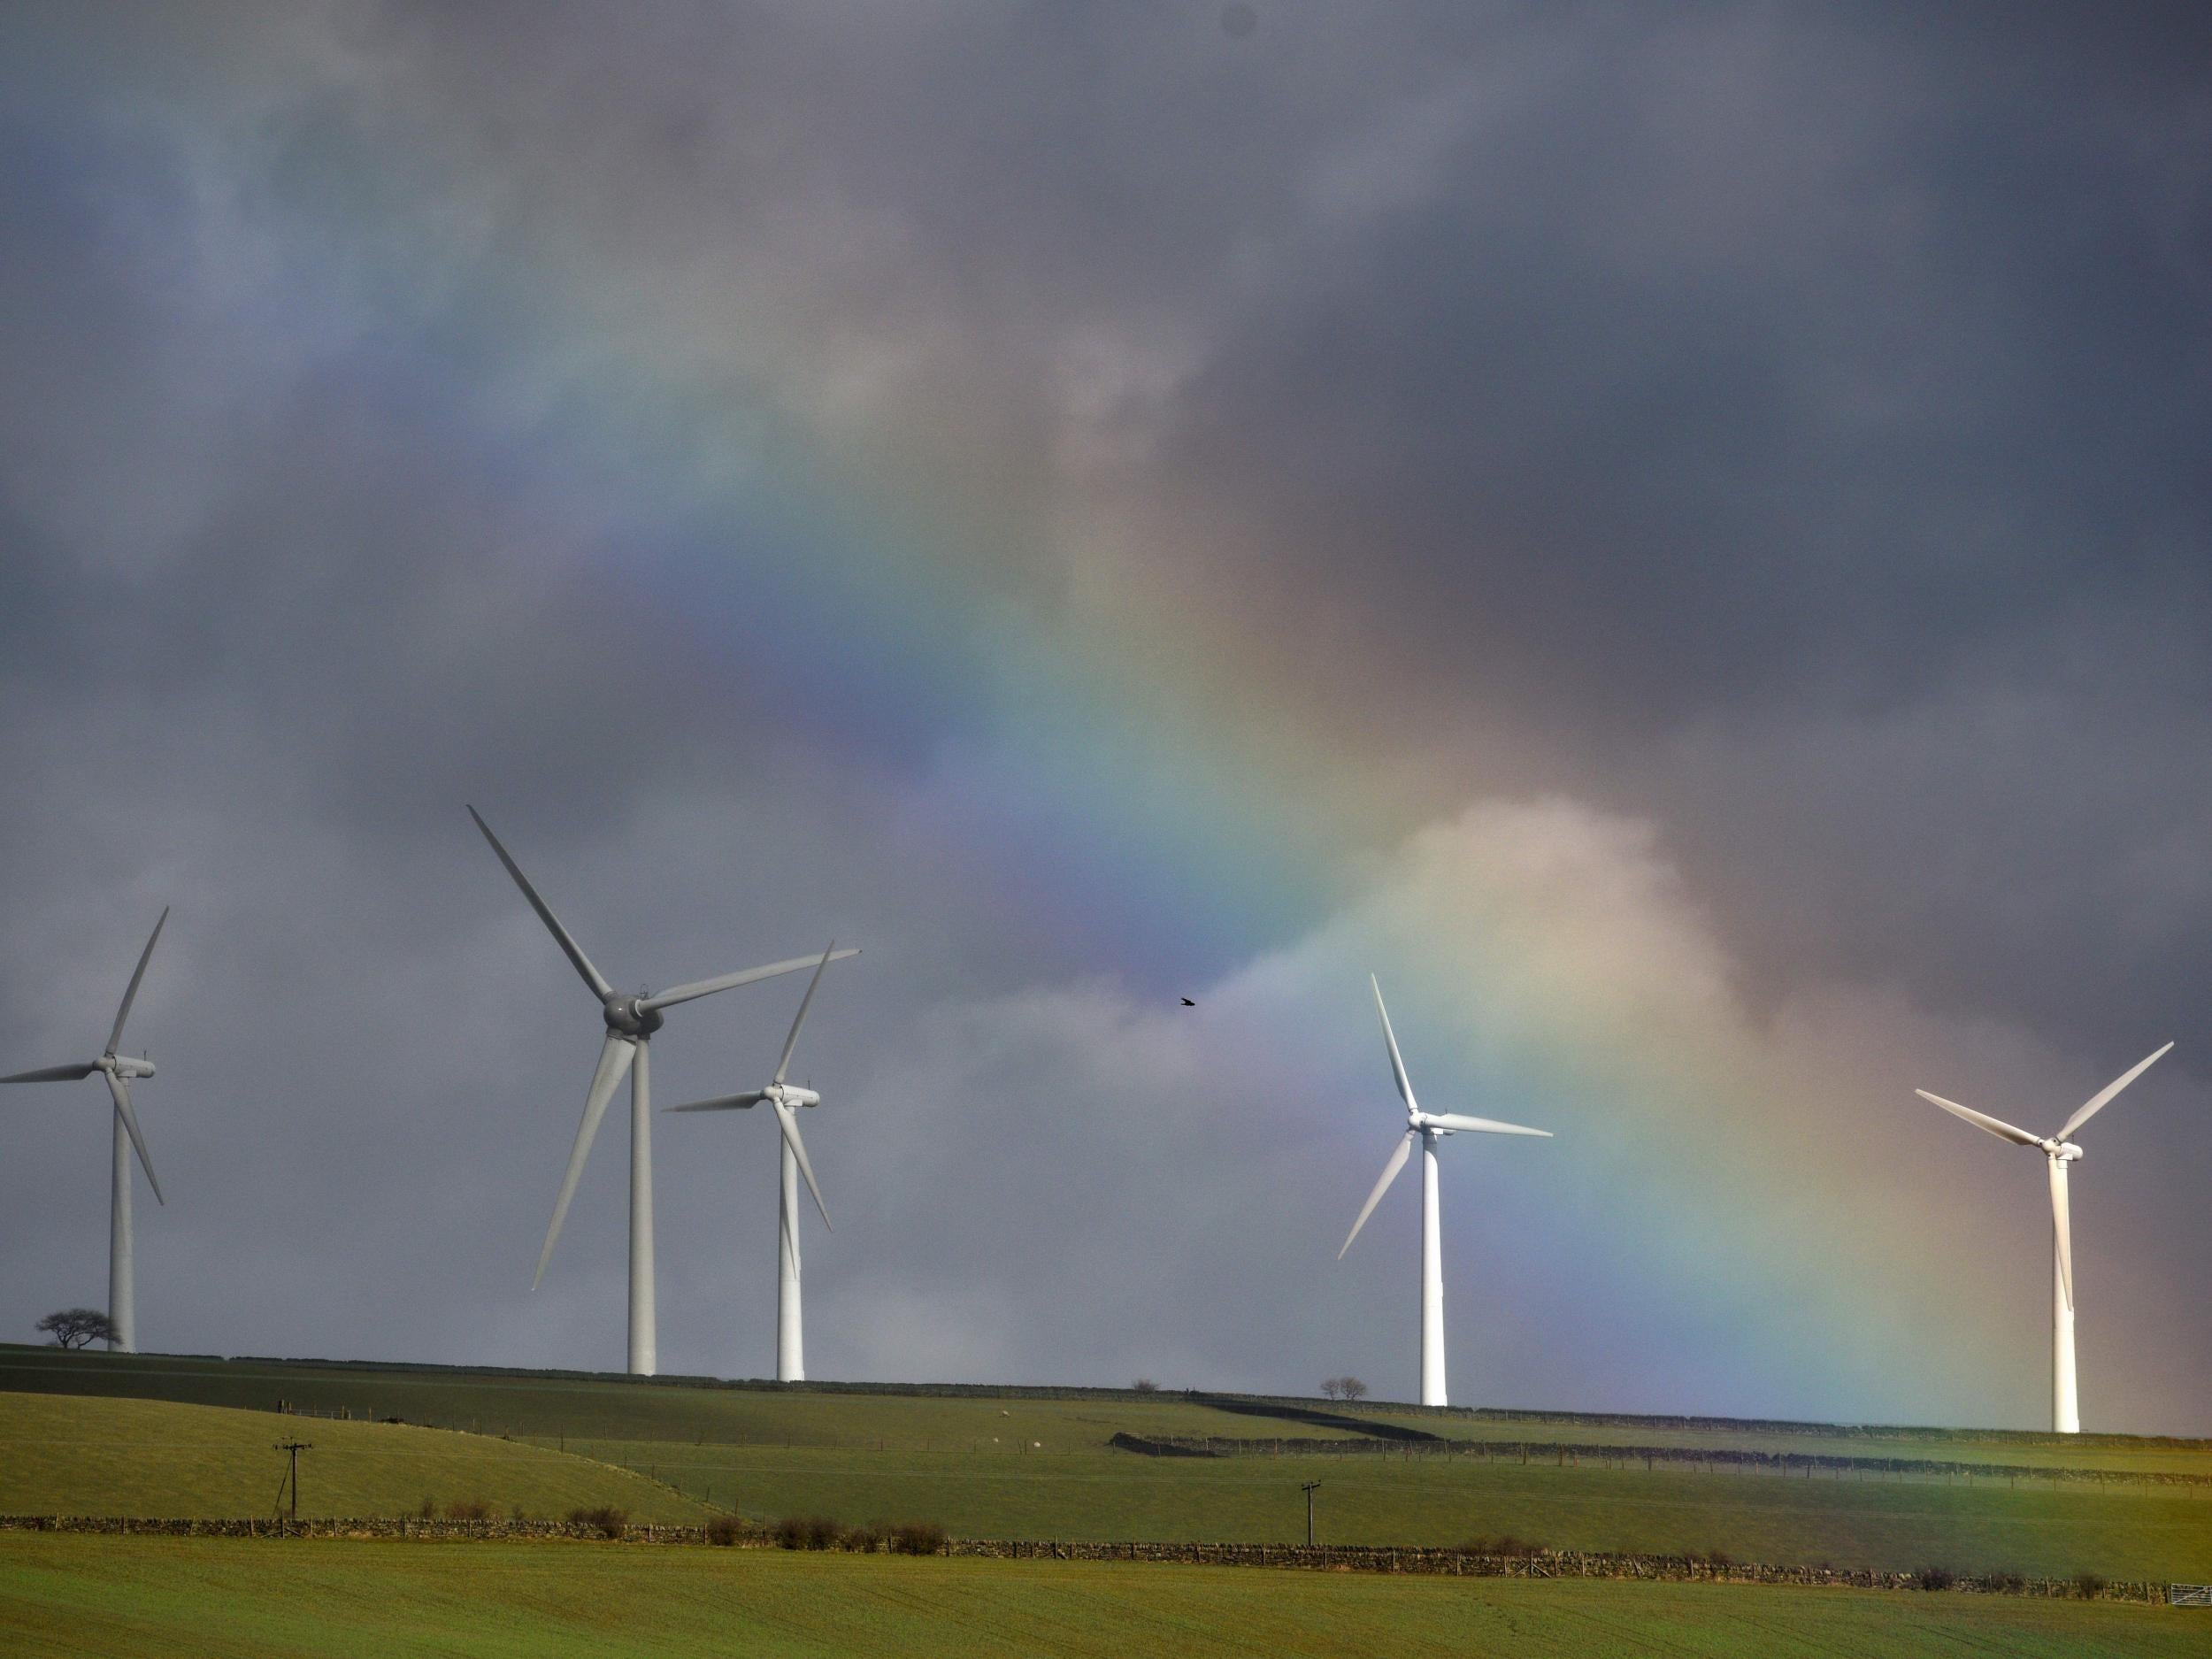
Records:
x=1188, y=1003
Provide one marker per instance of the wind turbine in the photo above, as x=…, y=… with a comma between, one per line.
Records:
x=117, y=1069
x=2058, y=1152
x=790, y=1336
x=1428, y=1128
x=631, y=1022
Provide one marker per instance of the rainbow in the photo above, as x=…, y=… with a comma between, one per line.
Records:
x=1173, y=776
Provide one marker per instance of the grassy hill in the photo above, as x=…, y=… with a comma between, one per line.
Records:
x=63, y=1456
x=615, y=1406
x=127, y=1597
x=1090, y=1493
x=1042, y=1464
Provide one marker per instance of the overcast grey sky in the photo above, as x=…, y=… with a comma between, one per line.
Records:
x=1679, y=540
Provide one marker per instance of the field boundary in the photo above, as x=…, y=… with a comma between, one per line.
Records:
x=1534, y=1564
x=1565, y=1452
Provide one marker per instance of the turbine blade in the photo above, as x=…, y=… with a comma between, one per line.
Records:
x=122, y=1092
x=54, y=1073
x=805, y=1002
x=2097, y=1101
x=722, y=1102
x=131, y=996
x=614, y=1059
x=789, y=1121
x=1397, y=1063
x=1996, y=1126
x=2063, y=1229
x=727, y=981
x=600, y=988
x=1486, y=1126
x=1390, y=1173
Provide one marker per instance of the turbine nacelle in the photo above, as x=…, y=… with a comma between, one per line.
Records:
x=791, y=1095
x=630, y=1016
x=2065, y=1151
x=123, y=1065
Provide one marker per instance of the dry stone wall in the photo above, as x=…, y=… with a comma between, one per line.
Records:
x=1565, y=1563
x=1572, y=1453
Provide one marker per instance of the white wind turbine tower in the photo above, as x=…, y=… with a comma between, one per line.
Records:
x=117, y=1069
x=2058, y=1152
x=790, y=1334
x=1428, y=1128
x=631, y=1022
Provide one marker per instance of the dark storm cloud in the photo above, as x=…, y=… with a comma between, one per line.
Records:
x=1788, y=426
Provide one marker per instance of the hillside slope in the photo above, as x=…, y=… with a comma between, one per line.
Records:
x=65, y=1455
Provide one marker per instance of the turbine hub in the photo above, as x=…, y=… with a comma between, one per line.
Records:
x=628, y=1017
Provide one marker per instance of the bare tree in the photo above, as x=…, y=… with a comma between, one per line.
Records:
x=1331, y=1386
x=74, y=1327
x=1350, y=1387
x=1145, y=1386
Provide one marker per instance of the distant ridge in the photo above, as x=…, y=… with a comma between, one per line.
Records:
x=19, y=1361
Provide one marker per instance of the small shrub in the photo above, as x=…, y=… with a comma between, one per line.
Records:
x=916, y=1538
x=468, y=1510
x=724, y=1530
x=1933, y=1578
x=428, y=1508
x=606, y=1520
x=1145, y=1386
x=806, y=1532
x=860, y=1540
x=2088, y=1586
x=2007, y=1583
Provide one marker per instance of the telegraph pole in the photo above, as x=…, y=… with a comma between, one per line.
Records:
x=294, y=1447
x=1307, y=1488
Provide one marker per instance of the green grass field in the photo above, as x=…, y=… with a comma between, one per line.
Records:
x=128, y=1598
x=2116, y=1453
x=2125, y=1533
x=610, y=1407
x=550, y=1405
x=60, y=1455
x=1005, y=1466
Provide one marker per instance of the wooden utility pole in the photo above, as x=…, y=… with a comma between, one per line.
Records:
x=1307, y=1488
x=294, y=1447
